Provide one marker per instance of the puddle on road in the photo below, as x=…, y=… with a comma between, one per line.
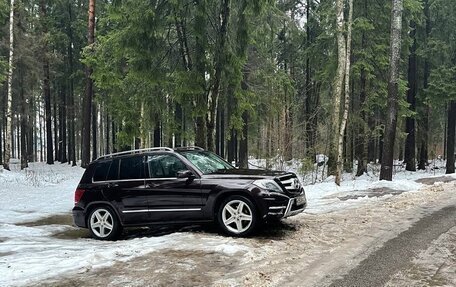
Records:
x=72, y=234
x=164, y=268
x=60, y=219
x=2, y=254
x=432, y=180
x=275, y=230
x=374, y=192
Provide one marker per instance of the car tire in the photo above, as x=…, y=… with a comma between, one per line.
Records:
x=237, y=216
x=103, y=223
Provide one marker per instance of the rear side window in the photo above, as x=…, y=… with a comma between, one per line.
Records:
x=114, y=170
x=101, y=171
x=132, y=168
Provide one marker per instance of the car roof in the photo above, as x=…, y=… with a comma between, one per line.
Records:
x=147, y=150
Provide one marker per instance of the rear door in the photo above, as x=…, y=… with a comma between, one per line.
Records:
x=129, y=188
x=171, y=198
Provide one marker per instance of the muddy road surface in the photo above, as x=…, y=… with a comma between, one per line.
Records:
x=323, y=249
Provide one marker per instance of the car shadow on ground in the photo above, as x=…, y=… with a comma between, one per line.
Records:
x=272, y=230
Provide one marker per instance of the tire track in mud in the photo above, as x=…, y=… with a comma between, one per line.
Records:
x=397, y=253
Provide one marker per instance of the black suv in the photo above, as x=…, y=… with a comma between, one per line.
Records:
x=182, y=185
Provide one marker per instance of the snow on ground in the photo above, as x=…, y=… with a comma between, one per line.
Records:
x=30, y=253
x=37, y=191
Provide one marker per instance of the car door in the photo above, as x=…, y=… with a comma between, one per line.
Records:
x=128, y=190
x=171, y=198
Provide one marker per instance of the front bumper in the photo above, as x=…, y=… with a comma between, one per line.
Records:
x=284, y=206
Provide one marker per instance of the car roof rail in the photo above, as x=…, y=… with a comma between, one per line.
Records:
x=143, y=150
x=189, y=148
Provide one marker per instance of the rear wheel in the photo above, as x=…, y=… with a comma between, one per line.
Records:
x=103, y=223
x=237, y=216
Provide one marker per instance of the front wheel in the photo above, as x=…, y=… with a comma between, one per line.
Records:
x=103, y=223
x=237, y=216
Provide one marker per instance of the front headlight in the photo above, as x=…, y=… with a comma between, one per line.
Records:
x=268, y=184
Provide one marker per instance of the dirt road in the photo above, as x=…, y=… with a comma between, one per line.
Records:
x=306, y=250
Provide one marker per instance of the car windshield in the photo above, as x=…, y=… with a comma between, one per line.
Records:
x=206, y=162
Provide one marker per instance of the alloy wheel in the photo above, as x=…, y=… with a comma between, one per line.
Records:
x=237, y=216
x=101, y=223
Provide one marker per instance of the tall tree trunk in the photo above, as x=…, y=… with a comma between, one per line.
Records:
x=56, y=127
x=217, y=129
x=451, y=138
x=94, y=130
x=244, y=141
x=71, y=106
x=423, y=161
x=47, y=90
x=386, y=172
x=200, y=66
x=87, y=101
x=23, y=122
x=362, y=142
x=63, y=127
x=178, y=114
x=311, y=102
x=9, y=100
x=157, y=133
x=409, y=151
x=343, y=124
x=213, y=96
x=107, y=137
x=337, y=88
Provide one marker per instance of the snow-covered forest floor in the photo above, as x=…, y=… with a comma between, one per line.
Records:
x=341, y=226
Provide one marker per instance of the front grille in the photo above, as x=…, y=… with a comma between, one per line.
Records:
x=291, y=182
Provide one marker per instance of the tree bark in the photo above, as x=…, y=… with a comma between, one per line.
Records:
x=337, y=88
x=88, y=96
x=9, y=99
x=71, y=106
x=200, y=105
x=451, y=138
x=94, y=129
x=63, y=127
x=409, y=151
x=157, y=133
x=23, y=123
x=47, y=91
x=386, y=172
x=343, y=124
x=423, y=161
x=213, y=97
x=243, y=143
x=56, y=128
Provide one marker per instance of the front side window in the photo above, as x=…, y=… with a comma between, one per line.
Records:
x=206, y=162
x=164, y=166
x=131, y=168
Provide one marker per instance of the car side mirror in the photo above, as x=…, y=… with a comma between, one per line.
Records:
x=185, y=174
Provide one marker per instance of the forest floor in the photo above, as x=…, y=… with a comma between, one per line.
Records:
x=342, y=227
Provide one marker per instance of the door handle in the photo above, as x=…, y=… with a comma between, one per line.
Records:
x=113, y=185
